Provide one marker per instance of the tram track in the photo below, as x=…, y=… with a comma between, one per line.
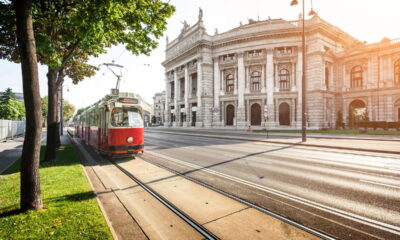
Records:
x=197, y=226
x=247, y=203
x=187, y=219
x=190, y=221
x=270, y=190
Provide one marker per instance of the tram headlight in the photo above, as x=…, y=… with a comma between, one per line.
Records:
x=129, y=140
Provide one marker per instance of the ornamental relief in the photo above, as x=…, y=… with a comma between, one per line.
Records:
x=183, y=45
x=395, y=58
x=362, y=62
x=229, y=71
x=249, y=62
x=255, y=68
x=286, y=66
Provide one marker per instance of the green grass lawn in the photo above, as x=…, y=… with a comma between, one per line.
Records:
x=70, y=207
x=333, y=131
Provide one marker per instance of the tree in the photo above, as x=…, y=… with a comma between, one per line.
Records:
x=30, y=180
x=45, y=106
x=81, y=110
x=339, y=120
x=69, y=31
x=68, y=110
x=12, y=110
x=8, y=94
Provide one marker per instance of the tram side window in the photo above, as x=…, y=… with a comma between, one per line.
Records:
x=126, y=117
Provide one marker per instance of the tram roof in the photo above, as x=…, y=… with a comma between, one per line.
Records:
x=111, y=98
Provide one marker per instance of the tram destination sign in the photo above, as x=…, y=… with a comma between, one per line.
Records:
x=128, y=100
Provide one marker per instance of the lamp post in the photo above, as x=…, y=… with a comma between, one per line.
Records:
x=61, y=110
x=303, y=75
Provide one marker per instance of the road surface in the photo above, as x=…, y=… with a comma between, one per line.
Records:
x=347, y=194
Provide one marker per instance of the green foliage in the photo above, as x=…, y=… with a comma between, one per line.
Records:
x=45, y=106
x=10, y=108
x=71, y=210
x=81, y=110
x=67, y=32
x=8, y=94
x=68, y=110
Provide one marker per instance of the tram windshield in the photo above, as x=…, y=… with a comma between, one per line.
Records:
x=126, y=117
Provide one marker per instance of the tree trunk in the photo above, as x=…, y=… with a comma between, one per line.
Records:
x=30, y=180
x=51, y=142
x=58, y=142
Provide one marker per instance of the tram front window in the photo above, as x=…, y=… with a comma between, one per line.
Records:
x=126, y=117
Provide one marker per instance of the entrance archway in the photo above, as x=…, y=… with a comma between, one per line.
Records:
x=357, y=112
x=284, y=114
x=255, y=116
x=397, y=109
x=230, y=114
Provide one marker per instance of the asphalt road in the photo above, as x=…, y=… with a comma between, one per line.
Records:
x=346, y=194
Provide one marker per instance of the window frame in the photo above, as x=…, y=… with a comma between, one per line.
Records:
x=284, y=84
x=356, y=76
x=397, y=72
x=255, y=81
x=229, y=83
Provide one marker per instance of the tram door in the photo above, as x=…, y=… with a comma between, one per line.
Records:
x=103, y=125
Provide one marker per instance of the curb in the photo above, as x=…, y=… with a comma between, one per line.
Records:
x=103, y=211
x=278, y=142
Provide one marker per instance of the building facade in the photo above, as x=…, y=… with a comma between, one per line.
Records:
x=158, y=108
x=251, y=75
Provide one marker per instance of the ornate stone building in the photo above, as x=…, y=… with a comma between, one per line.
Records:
x=158, y=108
x=251, y=75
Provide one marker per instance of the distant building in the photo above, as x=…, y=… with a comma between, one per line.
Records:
x=251, y=75
x=158, y=108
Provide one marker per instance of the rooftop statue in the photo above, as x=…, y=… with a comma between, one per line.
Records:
x=200, y=14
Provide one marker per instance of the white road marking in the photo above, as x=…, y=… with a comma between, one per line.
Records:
x=381, y=184
x=353, y=216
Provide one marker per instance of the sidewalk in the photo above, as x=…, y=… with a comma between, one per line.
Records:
x=11, y=150
x=390, y=145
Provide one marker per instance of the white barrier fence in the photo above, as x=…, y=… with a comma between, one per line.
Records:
x=11, y=128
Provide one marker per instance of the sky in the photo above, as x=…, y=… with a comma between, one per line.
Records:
x=366, y=20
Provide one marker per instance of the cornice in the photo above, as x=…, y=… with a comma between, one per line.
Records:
x=187, y=53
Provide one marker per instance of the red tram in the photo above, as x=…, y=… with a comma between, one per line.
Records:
x=113, y=126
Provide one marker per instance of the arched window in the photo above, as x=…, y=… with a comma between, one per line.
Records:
x=356, y=77
x=397, y=72
x=284, y=80
x=255, y=80
x=229, y=83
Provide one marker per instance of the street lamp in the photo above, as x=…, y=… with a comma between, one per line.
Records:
x=61, y=110
x=303, y=77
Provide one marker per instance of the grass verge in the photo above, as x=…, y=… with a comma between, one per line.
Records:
x=333, y=131
x=70, y=208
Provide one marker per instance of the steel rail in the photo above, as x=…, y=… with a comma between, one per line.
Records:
x=198, y=227
x=252, y=205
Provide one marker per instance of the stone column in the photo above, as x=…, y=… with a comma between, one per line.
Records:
x=186, y=122
x=270, y=88
x=217, y=75
x=199, y=116
x=240, y=114
x=176, y=95
x=263, y=78
x=166, y=107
